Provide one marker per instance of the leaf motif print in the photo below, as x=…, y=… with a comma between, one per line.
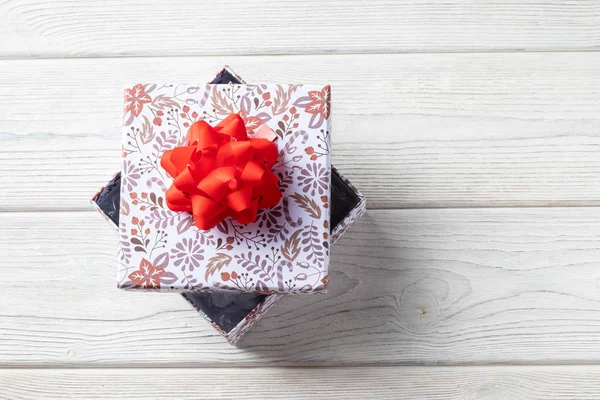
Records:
x=261, y=287
x=163, y=102
x=264, y=117
x=292, y=88
x=253, y=122
x=125, y=248
x=280, y=101
x=302, y=101
x=282, y=98
x=286, y=179
x=216, y=263
x=205, y=238
x=124, y=209
x=291, y=247
x=162, y=260
x=187, y=221
x=149, y=87
x=168, y=278
x=220, y=103
x=316, y=121
x=162, y=218
x=223, y=227
x=147, y=131
x=307, y=204
x=283, y=250
x=245, y=104
x=255, y=264
x=164, y=141
x=312, y=244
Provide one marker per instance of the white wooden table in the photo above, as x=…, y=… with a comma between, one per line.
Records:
x=472, y=127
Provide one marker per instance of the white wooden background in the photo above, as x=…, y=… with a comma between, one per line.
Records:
x=473, y=127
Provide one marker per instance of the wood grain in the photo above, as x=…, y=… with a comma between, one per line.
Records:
x=437, y=105
x=141, y=28
x=467, y=286
x=442, y=383
x=454, y=130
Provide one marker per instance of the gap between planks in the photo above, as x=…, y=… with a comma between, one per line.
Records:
x=497, y=366
x=299, y=53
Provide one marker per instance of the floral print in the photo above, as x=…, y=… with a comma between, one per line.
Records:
x=147, y=276
x=135, y=98
x=319, y=102
x=130, y=175
x=187, y=254
x=286, y=250
x=316, y=103
x=279, y=106
x=314, y=179
x=269, y=216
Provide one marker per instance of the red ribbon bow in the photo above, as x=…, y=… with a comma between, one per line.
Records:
x=221, y=172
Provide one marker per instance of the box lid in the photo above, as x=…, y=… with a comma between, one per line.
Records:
x=286, y=250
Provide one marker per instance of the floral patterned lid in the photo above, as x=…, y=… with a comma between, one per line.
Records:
x=286, y=250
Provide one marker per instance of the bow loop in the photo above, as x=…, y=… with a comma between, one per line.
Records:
x=233, y=126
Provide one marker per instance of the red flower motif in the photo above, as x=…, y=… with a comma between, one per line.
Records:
x=135, y=98
x=319, y=102
x=148, y=276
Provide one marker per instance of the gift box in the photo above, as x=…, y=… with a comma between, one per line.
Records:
x=208, y=206
x=233, y=314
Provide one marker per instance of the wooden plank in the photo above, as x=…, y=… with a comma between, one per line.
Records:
x=454, y=130
x=72, y=28
x=465, y=286
x=448, y=383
